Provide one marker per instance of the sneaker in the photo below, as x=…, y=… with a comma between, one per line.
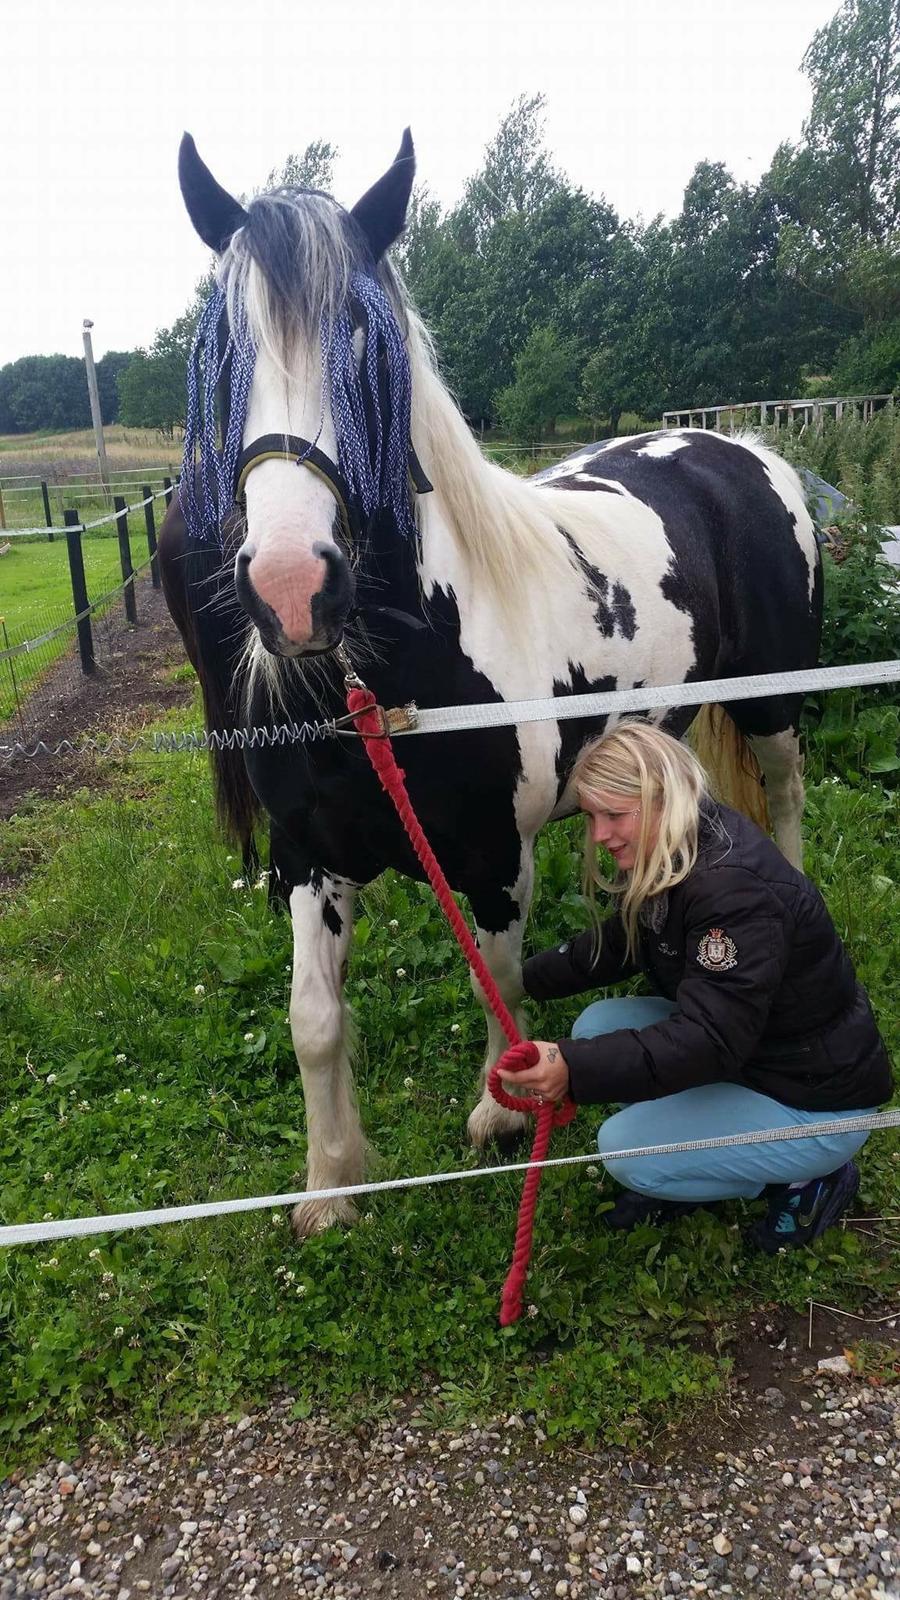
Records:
x=797, y=1216
x=631, y=1209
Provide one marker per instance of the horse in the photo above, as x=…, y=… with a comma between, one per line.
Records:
x=343, y=502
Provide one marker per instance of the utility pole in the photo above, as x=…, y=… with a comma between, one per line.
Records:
x=95, y=402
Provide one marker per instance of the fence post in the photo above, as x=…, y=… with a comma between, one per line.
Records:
x=125, y=558
x=79, y=590
x=48, y=514
x=146, y=492
x=167, y=486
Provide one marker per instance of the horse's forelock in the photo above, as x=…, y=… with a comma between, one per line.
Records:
x=289, y=268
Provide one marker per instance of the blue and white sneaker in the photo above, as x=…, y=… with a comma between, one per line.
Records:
x=797, y=1216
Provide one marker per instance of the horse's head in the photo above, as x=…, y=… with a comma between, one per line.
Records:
x=303, y=342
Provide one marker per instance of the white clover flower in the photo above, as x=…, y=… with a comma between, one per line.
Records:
x=401, y=972
x=300, y=1290
x=393, y=924
x=57, y=977
x=84, y=1105
x=454, y=1027
x=93, y=1255
x=120, y=1058
x=103, y=1295
x=238, y=883
x=52, y=1261
x=453, y=1100
x=199, y=988
x=289, y=1276
x=369, y=1216
x=532, y=1311
x=118, y=1332
x=396, y=1249
x=248, y=1038
x=50, y=1078
x=277, y=1219
x=108, y=1277
x=134, y=1342
x=592, y=1172
x=409, y=1083
x=48, y=1177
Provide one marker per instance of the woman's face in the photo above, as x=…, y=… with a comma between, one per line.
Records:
x=615, y=822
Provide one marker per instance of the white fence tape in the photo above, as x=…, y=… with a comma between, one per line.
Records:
x=86, y=527
x=503, y=713
x=79, y=1227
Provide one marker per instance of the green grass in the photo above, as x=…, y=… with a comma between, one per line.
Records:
x=36, y=597
x=125, y=1086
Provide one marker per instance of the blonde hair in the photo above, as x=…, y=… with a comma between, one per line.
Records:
x=663, y=776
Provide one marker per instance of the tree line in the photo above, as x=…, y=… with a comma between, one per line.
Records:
x=545, y=303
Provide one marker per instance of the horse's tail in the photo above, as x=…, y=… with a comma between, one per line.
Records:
x=734, y=773
x=210, y=629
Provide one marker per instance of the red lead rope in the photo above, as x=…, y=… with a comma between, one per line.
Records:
x=522, y=1053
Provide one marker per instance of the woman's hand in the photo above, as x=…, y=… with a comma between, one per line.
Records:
x=548, y=1079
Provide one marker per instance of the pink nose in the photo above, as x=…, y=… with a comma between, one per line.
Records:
x=287, y=583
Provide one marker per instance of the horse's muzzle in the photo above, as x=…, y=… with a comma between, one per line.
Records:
x=294, y=618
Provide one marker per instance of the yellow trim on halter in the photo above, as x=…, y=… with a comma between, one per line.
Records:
x=290, y=455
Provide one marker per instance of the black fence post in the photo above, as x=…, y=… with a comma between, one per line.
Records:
x=125, y=558
x=167, y=486
x=79, y=590
x=48, y=514
x=147, y=492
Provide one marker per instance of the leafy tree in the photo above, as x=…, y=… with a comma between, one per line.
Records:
x=517, y=175
x=543, y=387
x=314, y=169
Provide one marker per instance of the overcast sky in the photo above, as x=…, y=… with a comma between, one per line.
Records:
x=96, y=94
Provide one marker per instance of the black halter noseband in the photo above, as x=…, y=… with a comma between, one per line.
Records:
x=289, y=447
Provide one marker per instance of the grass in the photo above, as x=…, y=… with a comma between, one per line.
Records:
x=146, y=1060
x=36, y=597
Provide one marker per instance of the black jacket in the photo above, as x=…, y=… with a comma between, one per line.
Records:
x=766, y=994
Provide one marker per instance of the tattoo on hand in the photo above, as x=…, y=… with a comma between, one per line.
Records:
x=552, y=1053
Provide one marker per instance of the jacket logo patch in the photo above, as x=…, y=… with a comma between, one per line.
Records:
x=716, y=952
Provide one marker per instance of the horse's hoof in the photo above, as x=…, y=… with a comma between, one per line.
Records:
x=510, y=1140
x=491, y=1123
x=315, y=1216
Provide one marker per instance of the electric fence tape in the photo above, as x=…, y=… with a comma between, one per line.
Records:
x=79, y=1227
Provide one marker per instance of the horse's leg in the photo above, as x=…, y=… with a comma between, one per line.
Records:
x=322, y=918
x=502, y=952
x=781, y=764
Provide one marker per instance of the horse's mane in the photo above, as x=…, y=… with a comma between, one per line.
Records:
x=288, y=268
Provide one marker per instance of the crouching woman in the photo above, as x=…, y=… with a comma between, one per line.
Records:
x=756, y=1019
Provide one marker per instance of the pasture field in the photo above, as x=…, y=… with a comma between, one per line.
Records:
x=146, y=1060
x=62, y=459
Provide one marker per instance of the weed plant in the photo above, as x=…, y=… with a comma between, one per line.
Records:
x=146, y=1061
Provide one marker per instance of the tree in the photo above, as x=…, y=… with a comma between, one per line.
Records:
x=517, y=175
x=854, y=124
x=314, y=169
x=543, y=388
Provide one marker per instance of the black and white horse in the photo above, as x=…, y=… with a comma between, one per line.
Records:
x=657, y=559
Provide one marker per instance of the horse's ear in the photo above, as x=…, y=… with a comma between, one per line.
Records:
x=213, y=211
x=381, y=213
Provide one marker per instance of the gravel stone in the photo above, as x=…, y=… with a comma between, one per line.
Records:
x=807, y=1488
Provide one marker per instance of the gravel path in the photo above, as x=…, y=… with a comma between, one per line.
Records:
x=801, y=1498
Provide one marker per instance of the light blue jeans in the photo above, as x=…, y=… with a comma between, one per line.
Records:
x=715, y=1109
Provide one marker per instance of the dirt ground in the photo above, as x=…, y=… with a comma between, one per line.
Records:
x=131, y=684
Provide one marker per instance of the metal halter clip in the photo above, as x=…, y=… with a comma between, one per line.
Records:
x=396, y=719
x=352, y=680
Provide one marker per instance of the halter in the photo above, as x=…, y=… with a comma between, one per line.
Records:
x=290, y=447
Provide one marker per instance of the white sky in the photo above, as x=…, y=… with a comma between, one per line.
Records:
x=96, y=93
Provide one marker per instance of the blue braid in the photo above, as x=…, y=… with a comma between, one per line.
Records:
x=376, y=472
